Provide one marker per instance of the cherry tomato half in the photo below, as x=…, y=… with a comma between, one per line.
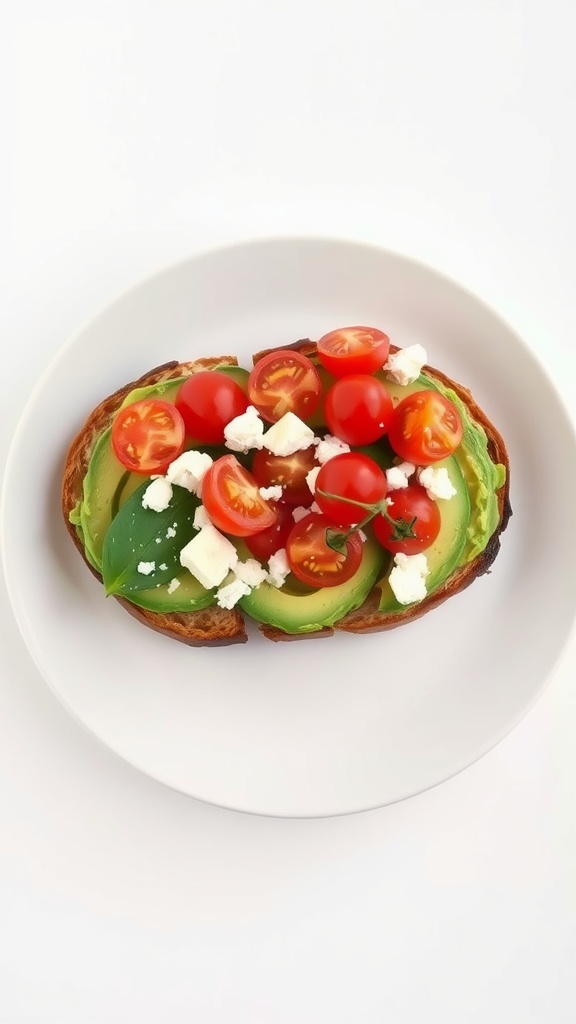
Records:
x=208, y=400
x=284, y=381
x=354, y=476
x=312, y=561
x=425, y=427
x=406, y=503
x=147, y=436
x=358, y=409
x=353, y=350
x=232, y=500
x=266, y=543
x=289, y=471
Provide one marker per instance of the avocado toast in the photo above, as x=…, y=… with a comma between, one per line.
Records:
x=98, y=490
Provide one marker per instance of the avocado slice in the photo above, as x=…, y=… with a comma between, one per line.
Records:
x=295, y=610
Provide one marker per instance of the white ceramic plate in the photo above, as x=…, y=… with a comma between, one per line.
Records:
x=317, y=727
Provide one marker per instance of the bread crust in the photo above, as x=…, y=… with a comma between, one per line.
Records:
x=216, y=626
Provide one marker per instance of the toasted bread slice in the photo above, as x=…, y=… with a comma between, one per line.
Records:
x=214, y=626
x=211, y=626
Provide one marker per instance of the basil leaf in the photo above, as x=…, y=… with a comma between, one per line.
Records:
x=152, y=540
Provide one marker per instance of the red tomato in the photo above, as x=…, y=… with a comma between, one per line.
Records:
x=147, y=436
x=284, y=381
x=406, y=503
x=289, y=471
x=358, y=409
x=312, y=561
x=266, y=543
x=232, y=500
x=350, y=475
x=425, y=427
x=208, y=400
x=353, y=350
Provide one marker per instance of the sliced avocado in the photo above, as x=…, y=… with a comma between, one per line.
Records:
x=189, y=596
x=293, y=611
x=446, y=552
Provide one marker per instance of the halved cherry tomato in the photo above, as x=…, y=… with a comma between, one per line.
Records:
x=147, y=436
x=354, y=476
x=358, y=409
x=284, y=381
x=425, y=427
x=407, y=503
x=353, y=350
x=312, y=561
x=267, y=542
x=287, y=470
x=208, y=400
x=232, y=500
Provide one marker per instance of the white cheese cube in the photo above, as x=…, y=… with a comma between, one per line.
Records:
x=437, y=482
x=209, y=556
x=278, y=568
x=230, y=594
x=145, y=568
x=273, y=493
x=397, y=476
x=244, y=432
x=158, y=494
x=329, y=446
x=408, y=578
x=290, y=434
x=188, y=470
x=404, y=366
x=250, y=572
x=311, y=478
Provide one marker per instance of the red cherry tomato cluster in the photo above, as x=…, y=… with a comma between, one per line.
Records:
x=422, y=428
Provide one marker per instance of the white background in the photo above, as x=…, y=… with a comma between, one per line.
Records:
x=137, y=132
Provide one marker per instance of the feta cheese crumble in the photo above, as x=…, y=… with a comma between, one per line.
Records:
x=146, y=568
x=209, y=556
x=273, y=493
x=288, y=435
x=188, y=470
x=250, y=572
x=437, y=482
x=230, y=594
x=404, y=366
x=157, y=495
x=170, y=532
x=278, y=568
x=397, y=476
x=245, y=431
x=311, y=478
x=408, y=578
x=201, y=518
x=329, y=446
x=173, y=585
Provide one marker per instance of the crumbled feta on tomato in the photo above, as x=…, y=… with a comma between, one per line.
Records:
x=250, y=572
x=288, y=435
x=201, y=518
x=278, y=568
x=273, y=493
x=299, y=512
x=145, y=568
x=437, y=482
x=209, y=556
x=173, y=585
x=189, y=469
x=404, y=366
x=158, y=494
x=397, y=476
x=408, y=578
x=328, y=447
x=245, y=431
x=311, y=478
x=229, y=595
